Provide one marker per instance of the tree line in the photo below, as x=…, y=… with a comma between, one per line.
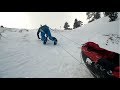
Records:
x=92, y=16
x=77, y=23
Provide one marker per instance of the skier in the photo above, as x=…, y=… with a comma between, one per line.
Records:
x=45, y=32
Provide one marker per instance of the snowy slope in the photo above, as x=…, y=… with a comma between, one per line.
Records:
x=22, y=55
x=98, y=31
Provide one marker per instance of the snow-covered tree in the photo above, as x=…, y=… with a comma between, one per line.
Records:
x=93, y=16
x=77, y=24
x=106, y=13
x=90, y=15
x=96, y=15
x=112, y=15
x=66, y=25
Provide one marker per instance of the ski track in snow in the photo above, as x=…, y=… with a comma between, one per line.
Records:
x=24, y=55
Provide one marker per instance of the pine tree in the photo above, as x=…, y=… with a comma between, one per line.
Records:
x=106, y=13
x=112, y=15
x=96, y=15
x=80, y=23
x=66, y=25
x=92, y=16
x=89, y=15
x=77, y=24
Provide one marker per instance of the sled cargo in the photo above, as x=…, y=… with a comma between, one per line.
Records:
x=102, y=63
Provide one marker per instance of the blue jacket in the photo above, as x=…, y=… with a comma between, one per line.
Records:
x=44, y=30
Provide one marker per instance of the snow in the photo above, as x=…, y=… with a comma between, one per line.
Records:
x=22, y=55
x=97, y=31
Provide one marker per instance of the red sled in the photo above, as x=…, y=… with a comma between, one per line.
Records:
x=102, y=63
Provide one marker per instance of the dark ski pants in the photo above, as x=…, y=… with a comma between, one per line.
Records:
x=44, y=36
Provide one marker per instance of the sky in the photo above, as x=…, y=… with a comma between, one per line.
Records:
x=32, y=20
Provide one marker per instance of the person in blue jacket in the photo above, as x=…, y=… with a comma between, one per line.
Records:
x=45, y=33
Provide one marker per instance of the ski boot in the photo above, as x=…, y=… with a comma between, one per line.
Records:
x=55, y=41
x=44, y=42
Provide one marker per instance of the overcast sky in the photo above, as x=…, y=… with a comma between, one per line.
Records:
x=32, y=20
